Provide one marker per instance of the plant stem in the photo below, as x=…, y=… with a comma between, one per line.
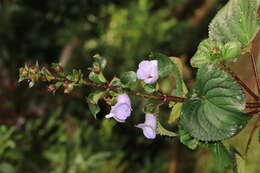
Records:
x=148, y=96
x=241, y=83
x=255, y=72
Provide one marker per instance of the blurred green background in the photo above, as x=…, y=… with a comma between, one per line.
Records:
x=43, y=133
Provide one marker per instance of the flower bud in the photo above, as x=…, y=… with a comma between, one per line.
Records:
x=51, y=87
x=58, y=68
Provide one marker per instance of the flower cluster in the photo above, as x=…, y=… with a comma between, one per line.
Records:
x=148, y=72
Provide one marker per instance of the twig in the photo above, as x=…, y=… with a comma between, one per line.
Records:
x=240, y=82
x=255, y=72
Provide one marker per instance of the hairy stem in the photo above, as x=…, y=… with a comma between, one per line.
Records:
x=241, y=83
x=255, y=72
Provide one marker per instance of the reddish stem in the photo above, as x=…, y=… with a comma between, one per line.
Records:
x=255, y=72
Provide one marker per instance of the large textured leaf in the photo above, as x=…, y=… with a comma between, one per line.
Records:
x=216, y=113
x=237, y=21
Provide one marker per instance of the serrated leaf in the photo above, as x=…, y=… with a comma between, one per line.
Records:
x=128, y=77
x=236, y=21
x=151, y=107
x=164, y=132
x=221, y=155
x=164, y=65
x=94, y=109
x=116, y=82
x=97, y=77
x=95, y=96
x=207, y=52
x=216, y=113
x=102, y=62
x=175, y=112
x=181, y=89
x=149, y=88
x=187, y=139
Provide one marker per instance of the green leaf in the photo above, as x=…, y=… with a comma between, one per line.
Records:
x=239, y=161
x=151, y=107
x=164, y=132
x=97, y=77
x=128, y=77
x=102, y=62
x=175, y=112
x=181, y=89
x=31, y=84
x=221, y=155
x=95, y=96
x=216, y=113
x=207, y=52
x=149, y=88
x=187, y=139
x=231, y=50
x=94, y=109
x=115, y=82
x=164, y=65
x=236, y=21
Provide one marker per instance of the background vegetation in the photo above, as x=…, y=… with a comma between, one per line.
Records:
x=42, y=133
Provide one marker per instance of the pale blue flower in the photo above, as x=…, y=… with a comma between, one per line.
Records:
x=149, y=126
x=122, y=109
x=148, y=71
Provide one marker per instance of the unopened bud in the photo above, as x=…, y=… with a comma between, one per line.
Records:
x=51, y=87
x=58, y=68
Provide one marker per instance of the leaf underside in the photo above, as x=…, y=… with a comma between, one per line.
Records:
x=216, y=113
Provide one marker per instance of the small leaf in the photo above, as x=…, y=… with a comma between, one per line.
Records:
x=95, y=96
x=165, y=64
x=181, y=89
x=128, y=77
x=102, y=62
x=221, y=155
x=231, y=50
x=115, y=82
x=236, y=21
x=97, y=77
x=175, y=112
x=149, y=88
x=164, y=132
x=187, y=139
x=94, y=109
x=151, y=107
x=217, y=112
x=31, y=84
x=207, y=52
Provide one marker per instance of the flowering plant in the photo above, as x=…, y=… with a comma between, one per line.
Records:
x=215, y=110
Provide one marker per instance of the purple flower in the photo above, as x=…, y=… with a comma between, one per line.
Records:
x=122, y=109
x=148, y=71
x=149, y=126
